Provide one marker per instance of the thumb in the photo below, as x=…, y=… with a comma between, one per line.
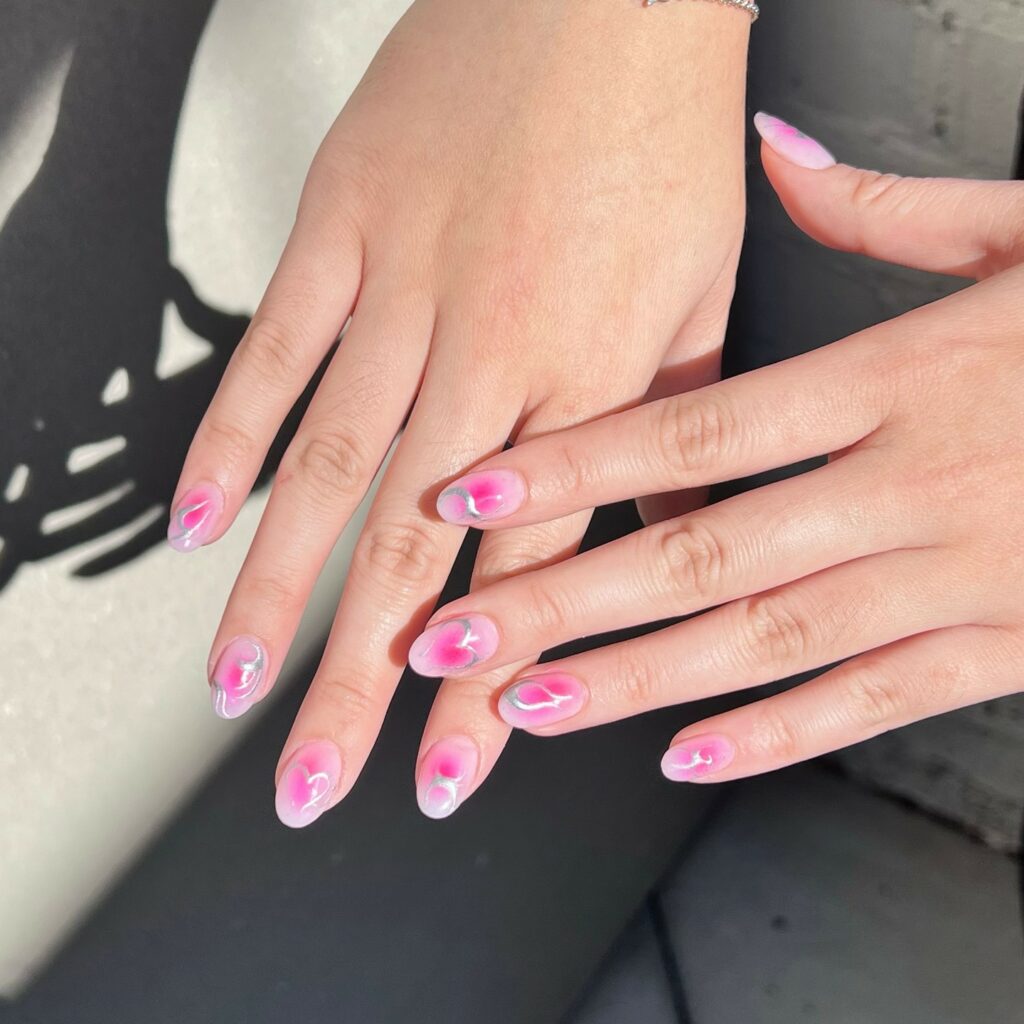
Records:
x=945, y=225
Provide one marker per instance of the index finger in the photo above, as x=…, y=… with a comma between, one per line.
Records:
x=806, y=406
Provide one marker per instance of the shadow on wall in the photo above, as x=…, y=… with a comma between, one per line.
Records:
x=92, y=437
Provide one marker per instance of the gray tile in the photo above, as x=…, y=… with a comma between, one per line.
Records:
x=632, y=984
x=811, y=900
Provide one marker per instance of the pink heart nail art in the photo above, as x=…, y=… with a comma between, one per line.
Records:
x=308, y=783
x=454, y=646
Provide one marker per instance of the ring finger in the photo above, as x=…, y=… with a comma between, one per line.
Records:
x=803, y=625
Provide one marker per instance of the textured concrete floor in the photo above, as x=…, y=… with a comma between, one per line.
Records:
x=808, y=899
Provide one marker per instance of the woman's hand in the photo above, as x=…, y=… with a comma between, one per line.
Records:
x=905, y=553
x=533, y=213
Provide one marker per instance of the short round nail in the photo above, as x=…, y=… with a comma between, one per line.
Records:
x=791, y=143
x=195, y=517
x=481, y=497
x=308, y=783
x=238, y=677
x=454, y=647
x=696, y=758
x=542, y=700
x=445, y=775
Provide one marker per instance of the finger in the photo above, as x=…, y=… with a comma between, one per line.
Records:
x=737, y=547
x=810, y=405
x=800, y=626
x=323, y=476
x=462, y=717
x=904, y=682
x=398, y=568
x=945, y=225
x=302, y=313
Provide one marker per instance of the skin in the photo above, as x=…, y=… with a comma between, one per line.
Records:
x=533, y=214
x=903, y=554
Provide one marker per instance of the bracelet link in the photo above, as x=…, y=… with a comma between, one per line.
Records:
x=744, y=5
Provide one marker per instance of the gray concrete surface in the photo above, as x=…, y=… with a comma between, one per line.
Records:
x=806, y=899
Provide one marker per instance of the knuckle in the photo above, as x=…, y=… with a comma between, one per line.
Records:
x=874, y=696
x=407, y=553
x=640, y=683
x=774, y=737
x=548, y=611
x=233, y=444
x=276, y=594
x=346, y=698
x=694, y=557
x=774, y=633
x=873, y=188
x=333, y=465
x=692, y=433
x=270, y=350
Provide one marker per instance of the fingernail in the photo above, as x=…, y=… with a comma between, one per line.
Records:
x=238, y=676
x=454, y=647
x=696, y=758
x=308, y=783
x=445, y=775
x=791, y=143
x=481, y=497
x=195, y=518
x=542, y=700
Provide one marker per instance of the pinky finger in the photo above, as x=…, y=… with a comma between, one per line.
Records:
x=923, y=675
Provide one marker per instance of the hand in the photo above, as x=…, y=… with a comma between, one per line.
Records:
x=533, y=212
x=904, y=553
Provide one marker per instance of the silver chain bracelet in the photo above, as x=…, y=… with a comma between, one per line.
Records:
x=745, y=5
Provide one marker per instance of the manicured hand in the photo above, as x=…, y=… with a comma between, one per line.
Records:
x=533, y=213
x=903, y=554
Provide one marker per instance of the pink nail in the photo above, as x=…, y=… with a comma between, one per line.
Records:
x=444, y=775
x=481, y=497
x=238, y=676
x=542, y=700
x=791, y=143
x=454, y=647
x=308, y=783
x=693, y=759
x=195, y=518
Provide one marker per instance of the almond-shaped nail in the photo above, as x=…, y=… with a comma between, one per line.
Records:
x=445, y=775
x=195, y=517
x=791, y=143
x=238, y=677
x=481, y=497
x=697, y=757
x=454, y=647
x=308, y=783
x=542, y=700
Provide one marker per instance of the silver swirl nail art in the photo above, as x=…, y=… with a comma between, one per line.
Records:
x=449, y=787
x=460, y=492
x=319, y=787
x=183, y=534
x=553, y=700
x=250, y=672
x=697, y=758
